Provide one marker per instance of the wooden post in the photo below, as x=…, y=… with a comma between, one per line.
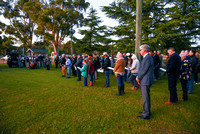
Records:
x=138, y=27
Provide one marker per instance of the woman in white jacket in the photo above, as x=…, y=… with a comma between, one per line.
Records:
x=134, y=71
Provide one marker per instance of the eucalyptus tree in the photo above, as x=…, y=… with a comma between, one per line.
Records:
x=94, y=34
x=55, y=19
x=18, y=24
x=164, y=23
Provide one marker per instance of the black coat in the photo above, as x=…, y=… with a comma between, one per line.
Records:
x=193, y=61
x=106, y=64
x=74, y=61
x=79, y=62
x=173, y=65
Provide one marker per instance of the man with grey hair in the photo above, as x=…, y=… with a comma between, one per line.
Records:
x=144, y=79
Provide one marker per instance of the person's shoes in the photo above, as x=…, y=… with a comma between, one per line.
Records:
x=133, y=89
x=142, y=117
x=169, y=103
x=63, y=75
x=68, y=77
x=78, y=80
x=189, y=93
x=118, y=95
x=106, y=86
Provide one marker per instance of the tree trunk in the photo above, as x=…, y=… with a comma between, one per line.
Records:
x=138, y=27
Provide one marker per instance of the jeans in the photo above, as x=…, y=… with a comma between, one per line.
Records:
x=68, y=71
x=41, y=63
x=107, y=78
x=120, y=81
x=125, y=75
x=128, y=75
x=20, y=65
x=133, y=81
x=85, y=81
x=190, y=83
x=91, y=76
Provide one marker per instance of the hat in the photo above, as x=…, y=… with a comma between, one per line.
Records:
x=134, y=57
x=119, y=55
x=128, y=54
x=105, y=53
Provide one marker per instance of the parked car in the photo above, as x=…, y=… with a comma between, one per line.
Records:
x=5, y=57
x=13, y=59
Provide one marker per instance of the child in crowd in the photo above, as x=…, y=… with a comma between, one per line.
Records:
x=84, y=71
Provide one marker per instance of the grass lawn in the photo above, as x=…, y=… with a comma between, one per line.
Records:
x=41, y=101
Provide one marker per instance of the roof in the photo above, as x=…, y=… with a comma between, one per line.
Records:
x=35, y=50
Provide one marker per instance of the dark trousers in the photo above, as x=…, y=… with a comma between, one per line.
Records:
x=56, y=65
x=184, y=88
x=73, y=71
x=156, y=72
x=146, y=100
x=85, y=81
x=91, y=76
x=79, y=74
x=48, y=67
x=172, y=82
x=133, y=81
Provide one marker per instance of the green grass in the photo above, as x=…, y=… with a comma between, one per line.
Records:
x=41, y=101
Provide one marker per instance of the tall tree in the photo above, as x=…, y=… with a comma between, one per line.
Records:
x=19, y=26
x=165, y=23
x=55, y=19
x=94, y=33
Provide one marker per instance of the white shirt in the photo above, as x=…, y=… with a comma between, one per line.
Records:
x=145, y=55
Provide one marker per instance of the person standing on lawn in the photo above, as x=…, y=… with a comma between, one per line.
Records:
x=84, y=72
x=62, y=63
x=144, y=79
x=119, y=73
x=79, y=64
x=134, y=71
x=91, y=70
x=105, y=65
x=173, y=72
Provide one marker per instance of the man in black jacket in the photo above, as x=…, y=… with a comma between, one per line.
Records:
x=79, y=64
x=193, y=61
x=105, y=66
x=172, y=70
x=74, y=60
x=156, y=64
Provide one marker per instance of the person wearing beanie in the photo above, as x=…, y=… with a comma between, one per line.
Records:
x=119, y=73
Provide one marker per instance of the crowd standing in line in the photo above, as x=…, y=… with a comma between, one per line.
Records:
x=126, y=67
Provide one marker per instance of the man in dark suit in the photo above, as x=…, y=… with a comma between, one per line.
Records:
x=145, y=80
x=79, y=64
x=172, y=70
x=73, y=63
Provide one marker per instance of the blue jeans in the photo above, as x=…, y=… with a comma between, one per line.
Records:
x=91, y=76
x=190, y=83
x=85, y=81
x=128, y=75
x=68, y=71
x=125, y=75
x=107, y=78
x=120, y=81
x=41, y=63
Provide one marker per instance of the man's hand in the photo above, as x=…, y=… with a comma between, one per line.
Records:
x=138, y=81
x=116, y=74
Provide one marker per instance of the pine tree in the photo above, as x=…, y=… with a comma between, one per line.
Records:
x=94, y=35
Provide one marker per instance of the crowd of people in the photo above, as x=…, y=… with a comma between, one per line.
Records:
x=127, y=67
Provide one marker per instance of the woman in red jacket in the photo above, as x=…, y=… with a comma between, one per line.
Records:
x=91, y=70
